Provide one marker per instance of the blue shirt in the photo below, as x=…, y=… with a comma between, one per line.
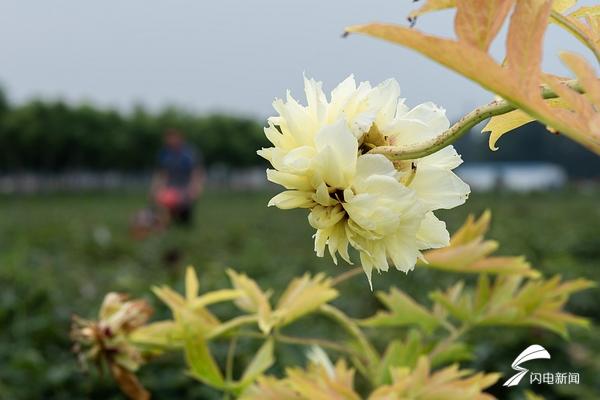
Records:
x=178, y=165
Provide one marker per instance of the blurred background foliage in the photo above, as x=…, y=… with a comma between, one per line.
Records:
x=59, y=254
x=54, y=136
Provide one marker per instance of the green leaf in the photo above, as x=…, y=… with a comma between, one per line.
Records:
x=200, y=361
x=470, y=252
x=253, y=299
x=260, y=363
x=399, y=354
x=403, y=311
x=455, y=352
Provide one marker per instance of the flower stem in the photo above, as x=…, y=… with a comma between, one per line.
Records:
x=344, y=276
x=232, y=324
x=367, y=349
x=302, y=341
x=454, y=336
x=456, y=131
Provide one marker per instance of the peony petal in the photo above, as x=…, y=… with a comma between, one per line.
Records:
x=372, y=164
x=439, y=188
x=298, y=160
x=292, y=199
x=316, y=100
x=325, y=217
x=423, y=122
x=432, y=233
x=338, y=151
x=446, y=158
x=289, y=181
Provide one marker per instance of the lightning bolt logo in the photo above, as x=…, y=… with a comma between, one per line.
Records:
x=533, y=352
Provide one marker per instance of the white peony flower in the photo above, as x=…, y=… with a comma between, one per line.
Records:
x=381, y=208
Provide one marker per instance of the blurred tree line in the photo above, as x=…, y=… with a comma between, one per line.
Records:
x=56, y=136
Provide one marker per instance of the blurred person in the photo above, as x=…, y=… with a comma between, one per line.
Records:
x=179, y=178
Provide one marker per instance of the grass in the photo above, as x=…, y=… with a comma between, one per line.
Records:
x=60, y=253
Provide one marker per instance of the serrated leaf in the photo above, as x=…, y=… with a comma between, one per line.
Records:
x=399, y=354
x=472, y=229
x=513, y=301
x=200, y=317
x=403, y=311
x=460, y=308
x=270, y=388
x=449, y=383
x=318, y=383
x=454, y=352
x=303, y=296
x=469, y=252
x=253, y=300
x=518, y=83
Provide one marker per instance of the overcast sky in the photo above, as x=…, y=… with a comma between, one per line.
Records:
x=221, y=55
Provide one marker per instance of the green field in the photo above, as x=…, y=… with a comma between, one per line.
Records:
x=60, y=253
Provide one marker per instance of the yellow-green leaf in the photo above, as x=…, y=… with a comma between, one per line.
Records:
x=302, y=296
x=403, y=311
x=586, y=11
x=501, y=124
x=260, y=363
x=191, y=283
x=563, y=5
x=448, y=383
x=399, y=354
x=469, y=252
x=253, y=299
x=157, y=334
x=216, y=296
x=472, y=229
x=200, y=361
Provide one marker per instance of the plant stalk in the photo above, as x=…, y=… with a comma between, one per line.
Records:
x=456, y=131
